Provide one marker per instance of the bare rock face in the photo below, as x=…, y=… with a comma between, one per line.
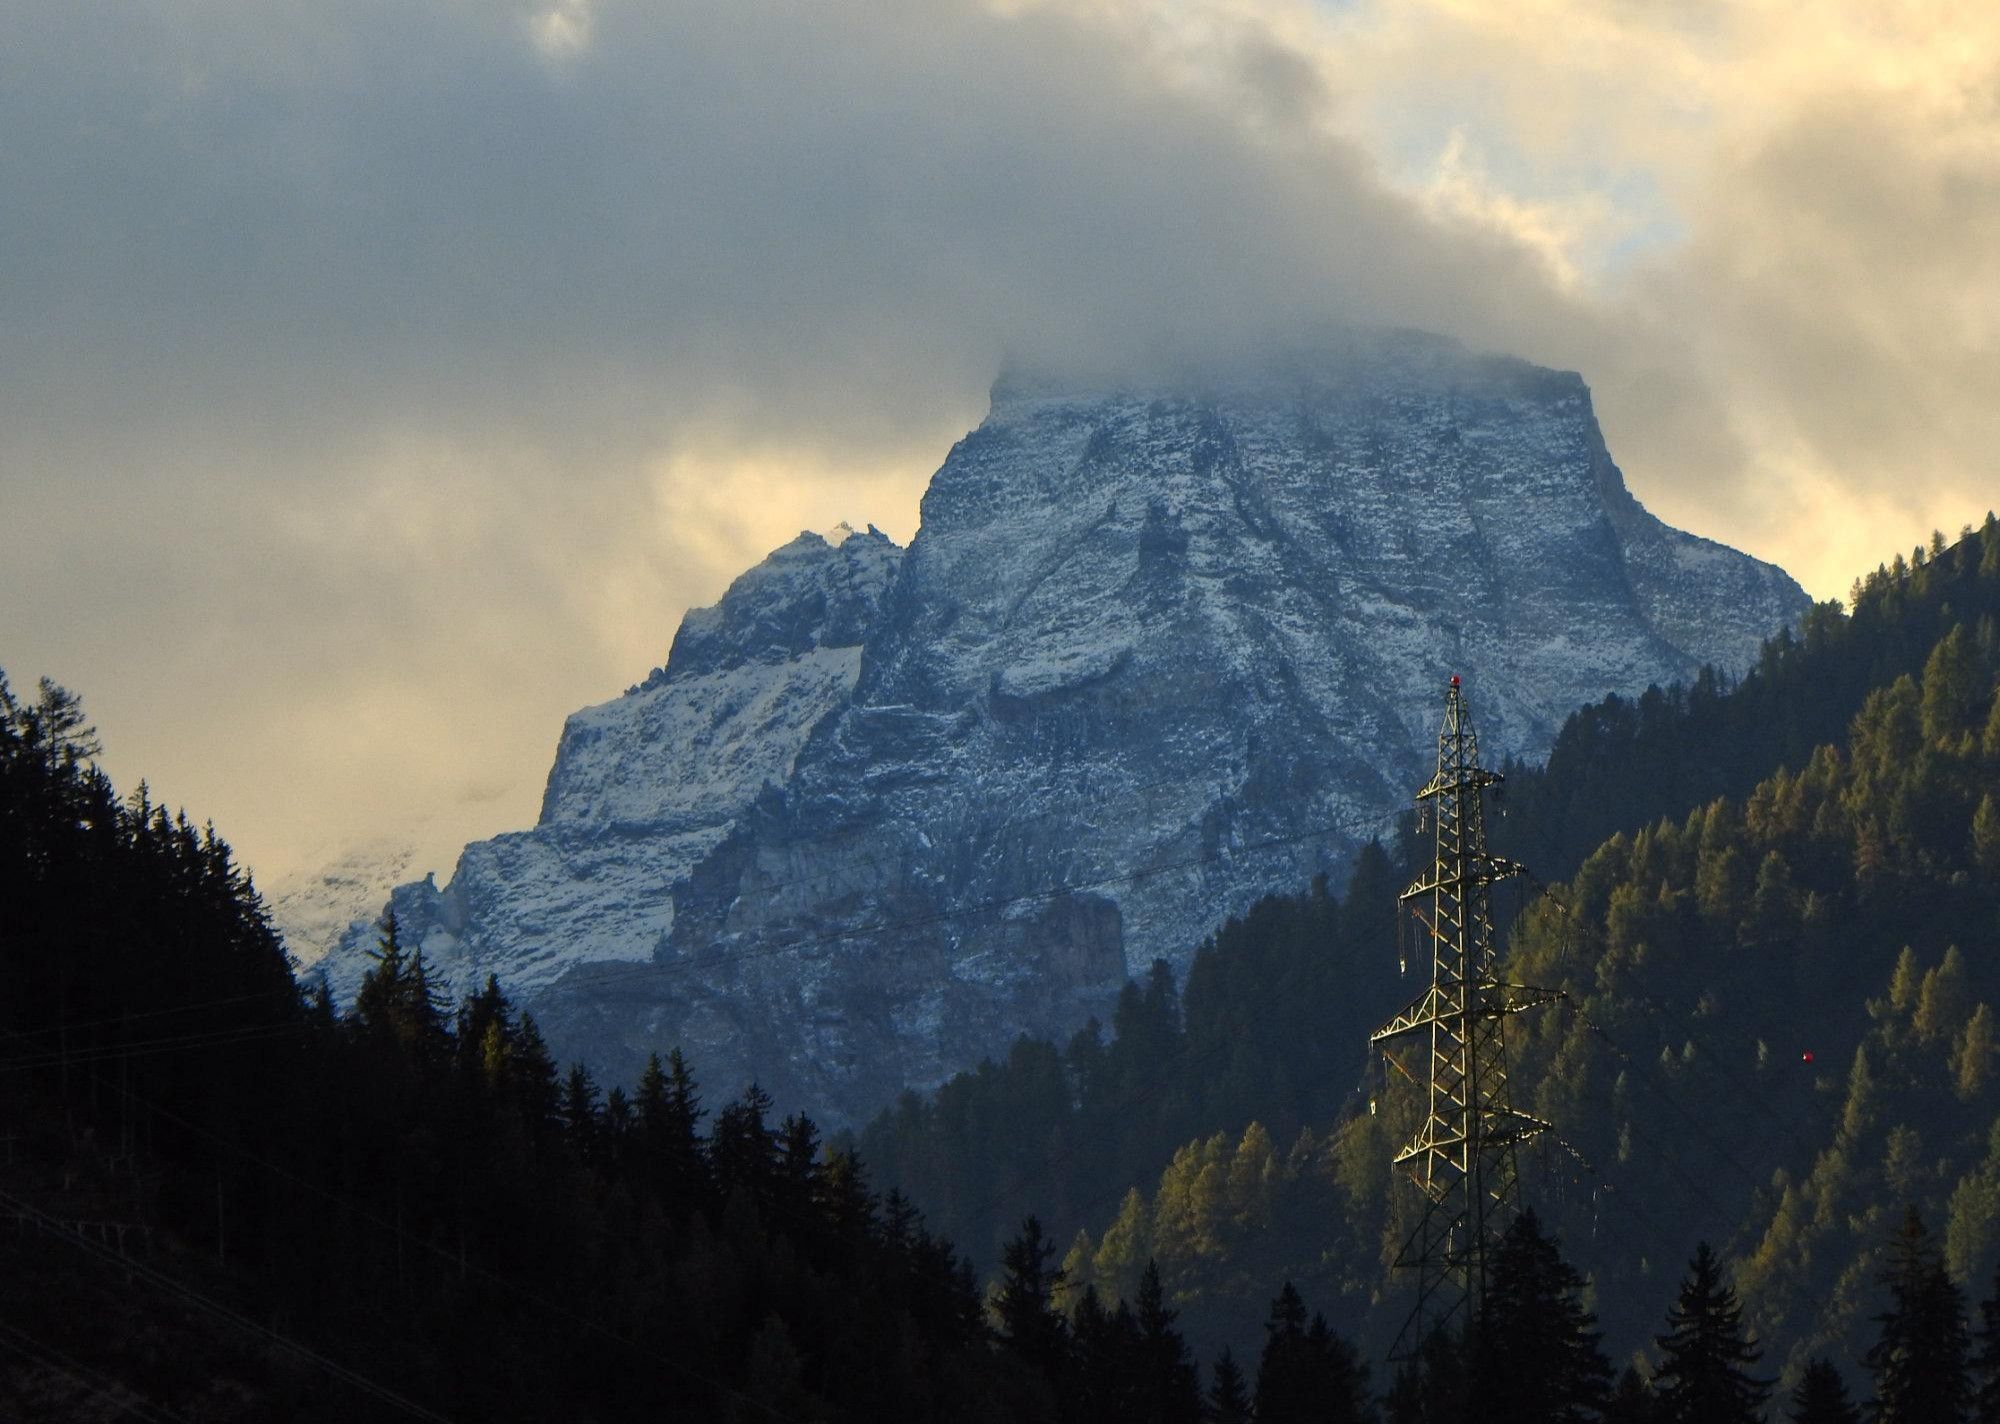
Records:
x=1153, y=654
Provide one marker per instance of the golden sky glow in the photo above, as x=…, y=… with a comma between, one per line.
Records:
x=384, y=380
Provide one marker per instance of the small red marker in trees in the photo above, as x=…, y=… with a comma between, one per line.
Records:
x=1806, y=1056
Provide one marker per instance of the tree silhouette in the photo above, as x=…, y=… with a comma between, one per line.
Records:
x=1919, y=1358
x=1705, y=1357
x=1821, y=1397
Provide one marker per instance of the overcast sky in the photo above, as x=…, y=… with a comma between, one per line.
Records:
x=381, y=379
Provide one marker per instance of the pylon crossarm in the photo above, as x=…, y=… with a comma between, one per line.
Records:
x=1519, y=1127
x=1501, y=1000
x=1427, y=1141
x=1425, y=1011
x=1459, y=779
x=1475, y=870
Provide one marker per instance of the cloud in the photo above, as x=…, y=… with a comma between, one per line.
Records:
x=1806, y=319
x=383, y=380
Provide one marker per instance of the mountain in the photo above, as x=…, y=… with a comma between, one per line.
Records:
x=1154, y=653
x=1767, y=1041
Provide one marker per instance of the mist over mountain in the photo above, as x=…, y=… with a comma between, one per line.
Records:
x=1155, y=651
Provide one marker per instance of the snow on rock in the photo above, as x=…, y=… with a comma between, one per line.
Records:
x=1171, y=647
x=646, y=785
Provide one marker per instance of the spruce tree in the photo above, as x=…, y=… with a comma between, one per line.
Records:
x=532, y=1078
x=1633, y=1400
x=1106, y=1378
x=668, y=1107
x=1705, y=1357
x=378, y=1003
x=1535, y=1355
x=1431, y=1389
x=1821, y=1397
x=1986, y=1360
x=1024, y=1304
x=1283, y=1391
x=742, y=1151
x=1307, y=1374
x=579, y=1112
x=1919, y=1359
x=1171, y=1386
x=1228, y=1400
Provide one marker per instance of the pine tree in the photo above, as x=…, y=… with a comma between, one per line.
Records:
x=1705, y=1356
x=482, y=1014
x=378, y=1003
x=1535, y=1357
x=1821, y=1397
x=532, y=1077
x=1431, y=1389
x=579, y=1112
x=1307, y=1374
x=1228, y=1399
x=1632, y=1401
x=1172, y=1387
x=1986, y=1360
x=1024, y=1304
x=1284, y=1389
x=668, y=1107
x=1919, y=1359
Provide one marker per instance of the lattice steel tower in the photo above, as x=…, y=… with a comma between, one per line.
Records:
x=1462, y=1156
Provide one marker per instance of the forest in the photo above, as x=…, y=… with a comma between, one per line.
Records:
x=1768, y=904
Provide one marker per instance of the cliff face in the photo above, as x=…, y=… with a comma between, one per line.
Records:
x=1151, y=655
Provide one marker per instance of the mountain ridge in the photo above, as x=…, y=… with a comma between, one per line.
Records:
x=1153, y=634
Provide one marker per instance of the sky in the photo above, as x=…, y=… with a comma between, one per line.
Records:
x=380, y=380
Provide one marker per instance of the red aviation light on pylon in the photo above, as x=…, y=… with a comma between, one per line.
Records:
x=1454, y=679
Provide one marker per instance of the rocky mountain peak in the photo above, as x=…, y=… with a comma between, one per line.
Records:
x=1158, y=648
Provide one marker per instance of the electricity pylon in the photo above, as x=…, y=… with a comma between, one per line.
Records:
x=1462, y=1156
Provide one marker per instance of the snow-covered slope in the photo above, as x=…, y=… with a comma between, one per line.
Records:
x=647, y=784
x=1171, y=648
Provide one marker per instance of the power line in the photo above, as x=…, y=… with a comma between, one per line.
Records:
x=120, y=1396
x=722, y=957
x=133, y=1267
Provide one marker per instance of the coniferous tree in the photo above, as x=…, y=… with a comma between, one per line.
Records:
x=742, y=1152
x=1705, y=1357
x=1919, y=1359
x=1024, y=1305
x=531, y=1073
x=1103, y=1358
x=482, y=1015
x=1633, y=1400
x=667, y=1104
x=378, y=1003
x=1228, y=1400
x=1171, y=1386
x=1986, y=1359
x=579, y=1112
x=1431, y=1388
x=1821, y=1397
x=1535, y=1355
x=1308, y=1373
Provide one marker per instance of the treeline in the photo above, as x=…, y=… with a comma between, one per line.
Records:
x=1728, y=959
x=227, y=1203
x=1781, y=984
x=1534, y=1355
x=1626, y=762
x=1272, y=1027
